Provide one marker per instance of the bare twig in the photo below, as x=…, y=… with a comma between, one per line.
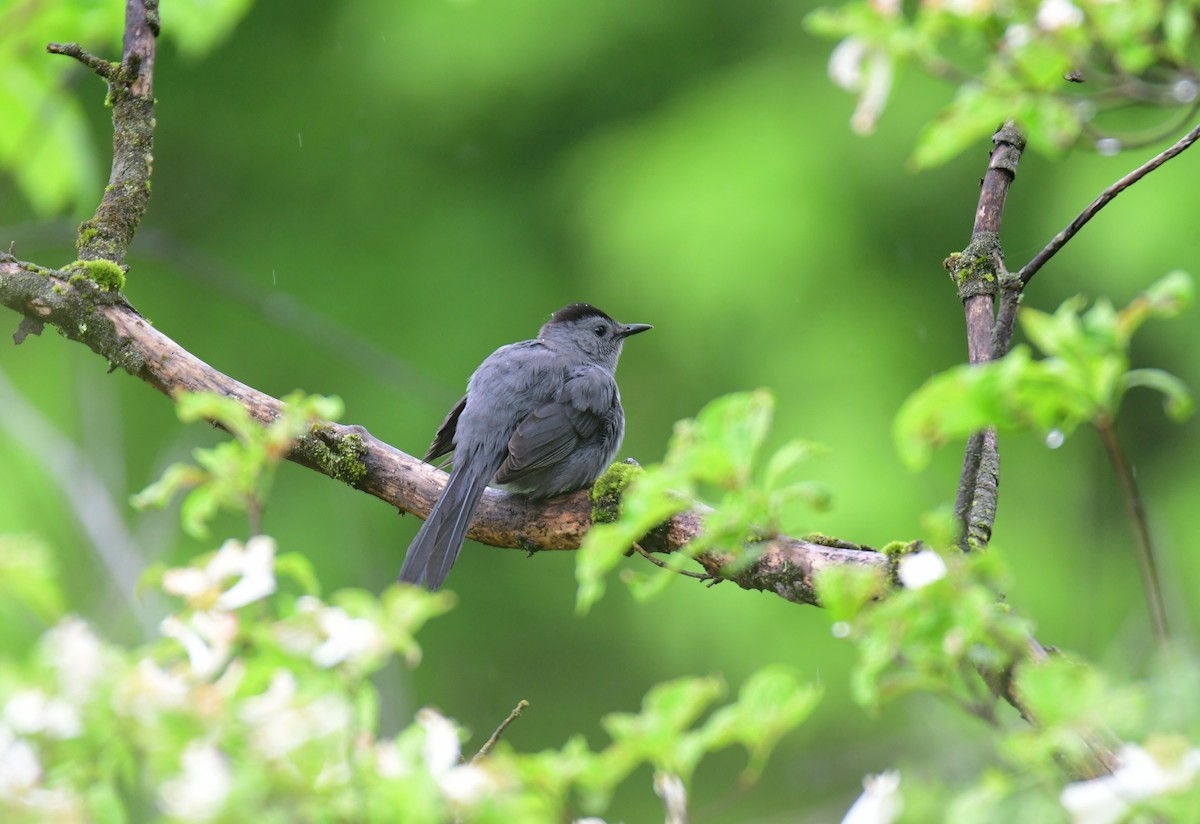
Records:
x=1060, y=240
x=98, y=65
x=1141, y=527
x=660, y=563
x=494, y=738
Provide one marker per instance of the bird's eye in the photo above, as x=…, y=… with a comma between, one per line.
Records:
x=600, y=330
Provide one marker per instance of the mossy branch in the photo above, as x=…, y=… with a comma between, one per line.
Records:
x=977, y=273
x=109, y=232
x=102, y=320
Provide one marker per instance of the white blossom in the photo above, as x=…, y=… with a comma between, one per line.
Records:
x=281, y=722
x=441, y=750
x=389, y=763
x=845, y=63
x=186, y=582
x=921, y=569
x=207, y=637
x=346, y=638
x=460, y=783
x=1139, y=775
x=202, y=787
x=880, y=802
x=859, y=67
x=466, y=784
x=670, y=788
x=1053, y=15
x=252, y=563
x=20, y=769
x=961, y=8
x=256, y=565
x=1018, y=35
x=77, y=655
x=149, y=689
x=32, y=711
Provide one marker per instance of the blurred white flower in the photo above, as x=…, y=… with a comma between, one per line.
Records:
x=441, y=750
x=256, y=565
x=921, y=569
x=77, y=655
x=1053, y=15
x=186, y=582
x=962, y=8
x=1018, y=35
x=460, y=783
x=149, y=689
x=207, y=637
x=389, y=763
x=880, y=802
x=669, y=787
x=202, y=787
x=845, y=63
x=32, y=711
x=20, y=769
x=466, y=784
x=254, y=562
x=346, y=638
x=859, y=67
x=280, y=722
x=1139, y=775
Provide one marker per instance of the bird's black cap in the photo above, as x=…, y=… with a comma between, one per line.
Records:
x=577, y=311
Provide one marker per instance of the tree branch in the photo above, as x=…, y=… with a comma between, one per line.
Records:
x=1060, y=240
x=83, y=311
x=107, y=235
x=977, y=271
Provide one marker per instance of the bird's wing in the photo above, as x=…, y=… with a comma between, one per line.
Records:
x=557, y=428
x=443, y=441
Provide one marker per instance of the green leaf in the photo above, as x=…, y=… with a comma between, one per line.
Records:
x=770, y=704
x=231, y=415
x=299, y=568
x=200, y=25
x=845, y=590
x=177, y=477
x=968, y=121
x=1177, y=400
x=658, y=733
x=104, y=804
x=786, y=458
x=29, y=579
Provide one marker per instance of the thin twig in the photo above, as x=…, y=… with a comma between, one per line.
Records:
x=1060, y=240
x=99, y=65
x=699, y=576
x=521, y=706
x=1141, y=527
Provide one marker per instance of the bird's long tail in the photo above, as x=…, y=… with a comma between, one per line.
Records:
x=437, y=544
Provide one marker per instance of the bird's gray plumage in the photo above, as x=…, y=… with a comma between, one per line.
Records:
x=541, y=417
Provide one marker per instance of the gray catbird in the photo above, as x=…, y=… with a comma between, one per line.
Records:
x=541, y=417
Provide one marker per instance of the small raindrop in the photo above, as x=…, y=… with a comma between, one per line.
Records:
x=840, y=629
x=1185, y=90
x=1055, y=438
x=1108, y=146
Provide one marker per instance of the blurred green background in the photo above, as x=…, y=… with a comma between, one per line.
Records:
x=365, y=199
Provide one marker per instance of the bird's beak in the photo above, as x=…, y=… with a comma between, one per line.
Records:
x=633, y=328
